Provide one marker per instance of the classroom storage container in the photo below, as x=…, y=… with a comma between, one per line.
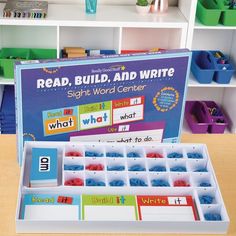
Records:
x=228, y=16
x=36, y=53
x=208, y=66
x=205, y=117
x=219, y=121
x=8, y=56
x=195, y=115
x=224, y=70
x=202, y=67
x=208, y=12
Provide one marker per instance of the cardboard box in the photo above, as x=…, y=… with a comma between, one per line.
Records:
x=60, y=99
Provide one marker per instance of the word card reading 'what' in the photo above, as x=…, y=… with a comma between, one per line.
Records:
x=95, y=115
x=61, y=120
x=128, y=109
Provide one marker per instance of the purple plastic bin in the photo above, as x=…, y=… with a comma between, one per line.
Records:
x=212, y=105
x=205, y=116
x=218, y=120
x=197, y=117
x=219, y=125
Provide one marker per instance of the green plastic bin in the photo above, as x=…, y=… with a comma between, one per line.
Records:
x=208, y=12
x=42, y=54
x=8, y=56
x=228, y=16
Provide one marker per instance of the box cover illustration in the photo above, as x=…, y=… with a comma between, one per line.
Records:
x=123, y=98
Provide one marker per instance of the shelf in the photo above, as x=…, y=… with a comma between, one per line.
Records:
x=121, y=27
x=107, y=16
x=4, y=81
x=199, y=25
x=194, y=83
x=186, y=129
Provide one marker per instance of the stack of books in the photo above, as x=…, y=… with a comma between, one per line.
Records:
x=25, y=9
x=73, y=52
x=95, y=52
x=7, y=112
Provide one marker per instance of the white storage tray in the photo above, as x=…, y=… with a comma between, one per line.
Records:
x=190, y=176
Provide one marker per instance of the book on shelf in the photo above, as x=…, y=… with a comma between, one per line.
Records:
x=74, y=49
x=73, y=52
x=25, y=9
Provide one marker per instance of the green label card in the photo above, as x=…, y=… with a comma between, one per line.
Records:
x=109, y=208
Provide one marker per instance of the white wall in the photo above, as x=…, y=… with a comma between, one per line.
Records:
x=213, y=40
x=117, y=2
x=27, y=36
x=229, y=106
x=207, y=94
x=233, y=49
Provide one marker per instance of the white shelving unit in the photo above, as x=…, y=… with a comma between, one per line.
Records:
x=117, y=26
x=193, y=83
x=4, y=81
x=199, y=25
x=223, y=38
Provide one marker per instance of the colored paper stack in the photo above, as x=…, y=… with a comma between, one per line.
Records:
x=7, y=112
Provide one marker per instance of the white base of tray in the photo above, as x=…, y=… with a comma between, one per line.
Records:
x=82, y=226
x=122, y=227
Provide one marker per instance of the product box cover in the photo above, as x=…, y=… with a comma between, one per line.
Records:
x=123, y=98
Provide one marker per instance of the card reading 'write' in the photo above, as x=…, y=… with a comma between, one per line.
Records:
x=166, y=208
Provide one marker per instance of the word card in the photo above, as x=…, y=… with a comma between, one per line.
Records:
x=62, y=120
x=109, y=208
x=166, y=208
x=50, y=207
x=123, y=133
x=127, y=110
x=94, y=115
x=44, y=170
